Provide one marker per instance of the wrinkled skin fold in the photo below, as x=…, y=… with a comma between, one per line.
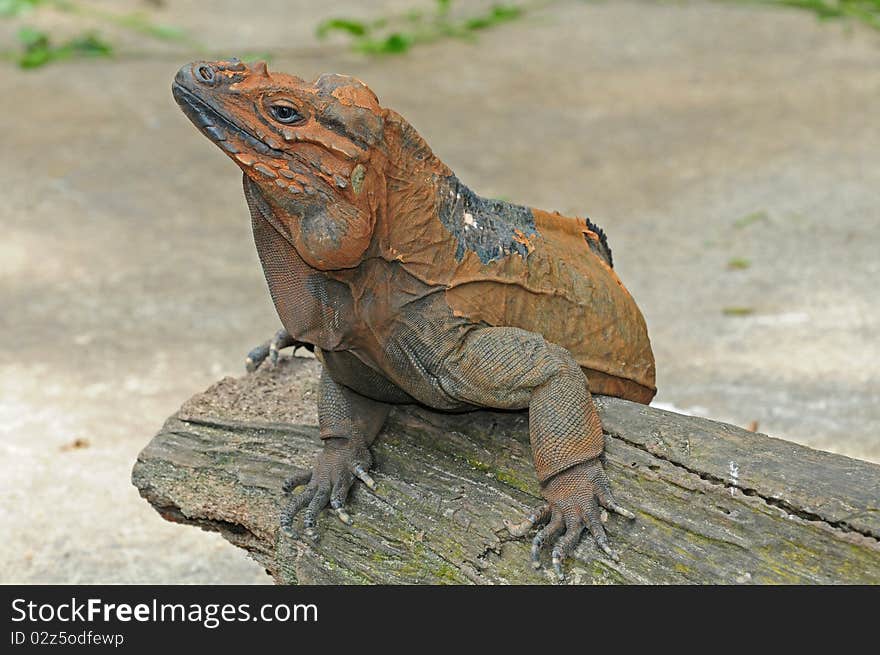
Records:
x=411, y=288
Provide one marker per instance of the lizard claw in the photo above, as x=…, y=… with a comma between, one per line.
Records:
x=271, y=350
x=617, y=509
x=256, y=356
x=340, y=511
x=362, y=475
x=538, y=517
x=558, y=558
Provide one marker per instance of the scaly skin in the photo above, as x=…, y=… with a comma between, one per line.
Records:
x=410, y=288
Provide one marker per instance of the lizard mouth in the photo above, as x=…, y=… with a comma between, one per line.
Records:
x=215, y=125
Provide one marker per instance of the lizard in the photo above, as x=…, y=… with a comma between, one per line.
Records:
x=411, y=288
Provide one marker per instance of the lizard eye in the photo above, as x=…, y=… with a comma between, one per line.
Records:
x=285, y=114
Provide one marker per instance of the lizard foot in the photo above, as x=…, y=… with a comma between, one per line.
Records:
x=336, y=467
x=270, y=350
x=575, y=500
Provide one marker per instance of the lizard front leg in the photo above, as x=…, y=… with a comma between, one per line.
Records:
x=510, y=368
x=348, y=424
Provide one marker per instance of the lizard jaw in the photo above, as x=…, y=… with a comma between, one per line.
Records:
x=217, y=127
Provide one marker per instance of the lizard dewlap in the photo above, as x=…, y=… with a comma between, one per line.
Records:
x=411, y=288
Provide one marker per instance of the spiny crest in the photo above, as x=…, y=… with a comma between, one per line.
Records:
x=604, y=248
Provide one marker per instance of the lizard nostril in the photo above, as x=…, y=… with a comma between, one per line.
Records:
x=205, y=74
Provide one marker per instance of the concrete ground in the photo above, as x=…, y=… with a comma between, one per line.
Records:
x=697, y=134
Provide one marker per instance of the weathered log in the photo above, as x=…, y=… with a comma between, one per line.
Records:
x=714, y=503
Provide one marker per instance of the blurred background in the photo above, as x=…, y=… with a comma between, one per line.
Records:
x=730, y=149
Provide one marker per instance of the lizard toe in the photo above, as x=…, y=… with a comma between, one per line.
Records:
x=296, y=504
x=555, y=526
x=538, y=517
x=566, y=543
x=310, y=517
x=591, y=513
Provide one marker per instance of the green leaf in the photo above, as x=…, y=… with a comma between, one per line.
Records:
x=393, y=44
x=737, y=311
x=164, y=32
x=39, y=51
x=31, y=37
x=867, y=11
x=738, y=263
x=90, y=45
x=498, y=14
x=397, y=42
x=352, y=27
x=506, y=12
x=251, y=57
x=749, y=219
x=398, y=33
x=16, y=7
x=35, y=58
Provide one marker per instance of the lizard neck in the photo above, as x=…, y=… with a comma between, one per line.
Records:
x=313, y=307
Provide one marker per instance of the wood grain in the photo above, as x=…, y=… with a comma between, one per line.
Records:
x=714, y=503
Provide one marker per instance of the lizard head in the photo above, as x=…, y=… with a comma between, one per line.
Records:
x=305, y=144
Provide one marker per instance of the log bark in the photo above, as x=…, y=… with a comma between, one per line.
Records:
x=714, y=503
